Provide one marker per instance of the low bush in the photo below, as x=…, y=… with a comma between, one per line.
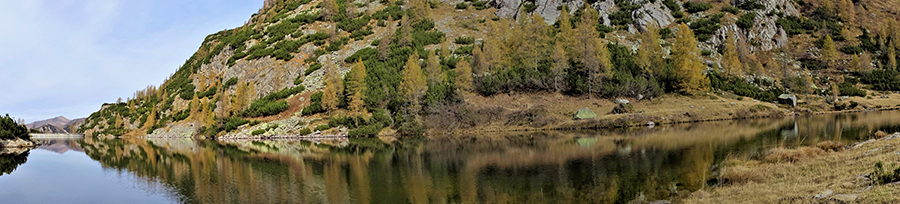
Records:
x=692, y=7
x=231, y=82
x=731, y=9
x=263, y=107
x=312, y=68
x=323, y=127
x=882, y=80
x=479, y=5
x=464, y=40
x=304, y=131
x=881, y=175
x=315, y=105
x=462, y=5
x=751, y=5
x=258, y=132
x=746, y=21
x=847, y=89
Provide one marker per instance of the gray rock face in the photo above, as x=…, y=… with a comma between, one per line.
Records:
x=652, y=14
x=545, y=8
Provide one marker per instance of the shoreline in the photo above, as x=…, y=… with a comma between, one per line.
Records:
x=840, y=175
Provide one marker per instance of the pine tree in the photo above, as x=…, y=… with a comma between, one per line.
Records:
x=829, y=52
x=849, y=37
x=560, y=63
x=828, y=5
x=433, y=68
x=420, y=11
x=334, y=86
x=687, y=61
x=731, y=61
x=855, y=63
x=413, y=85
x=464, y=75
x=358, y=88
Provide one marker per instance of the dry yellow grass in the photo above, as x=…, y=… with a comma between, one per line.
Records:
x=792, y=155
x=798, y=182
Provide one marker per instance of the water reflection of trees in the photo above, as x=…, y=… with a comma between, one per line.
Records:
x=582, y=167
x=11, y=160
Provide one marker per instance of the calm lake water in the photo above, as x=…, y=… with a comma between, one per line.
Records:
x=607, y=166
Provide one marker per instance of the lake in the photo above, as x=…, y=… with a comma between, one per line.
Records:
x=601, y=166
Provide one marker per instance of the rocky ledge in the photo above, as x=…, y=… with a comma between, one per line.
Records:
x=16, y=143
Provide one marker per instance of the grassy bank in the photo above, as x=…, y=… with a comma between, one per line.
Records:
x=549, y=111
x=840, y=174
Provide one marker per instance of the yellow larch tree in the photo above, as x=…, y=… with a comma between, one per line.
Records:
x=358, y=89
x=433, y=69
x=413, y=85
x=334, y=86
x=464, y=75
x=649, y=54
x=687, y=61
x=730, y=59
x=829, y=52
x=151, y=119
x=195, y=108
x=560, y=63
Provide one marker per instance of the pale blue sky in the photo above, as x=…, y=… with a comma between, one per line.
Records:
x=67, y=57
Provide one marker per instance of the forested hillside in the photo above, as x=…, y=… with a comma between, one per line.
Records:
x=364, y=68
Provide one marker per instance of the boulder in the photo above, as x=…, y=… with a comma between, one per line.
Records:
x=621, y=101
x=789, y=99
x=622, y=108
x=584, y=113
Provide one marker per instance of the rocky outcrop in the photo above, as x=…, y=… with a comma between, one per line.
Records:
x=654, y=13
x=16, y=143
x=765, y=31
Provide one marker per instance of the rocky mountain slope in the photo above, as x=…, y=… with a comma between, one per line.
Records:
x=361, y=68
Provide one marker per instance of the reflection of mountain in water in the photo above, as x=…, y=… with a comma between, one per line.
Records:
x=666, y=162
x=11, y=159
x=59, y=145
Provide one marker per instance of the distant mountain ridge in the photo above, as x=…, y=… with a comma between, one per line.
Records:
x=59, y=124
